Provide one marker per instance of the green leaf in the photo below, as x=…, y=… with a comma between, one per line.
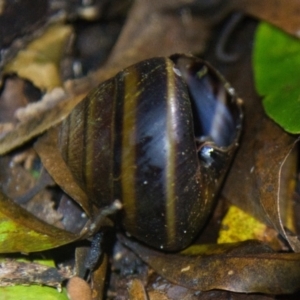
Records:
x=276, y=70
x=31, y=293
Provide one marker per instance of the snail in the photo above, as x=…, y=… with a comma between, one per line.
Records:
x=159, y=136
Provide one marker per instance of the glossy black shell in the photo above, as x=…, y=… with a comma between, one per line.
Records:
x=158, y=136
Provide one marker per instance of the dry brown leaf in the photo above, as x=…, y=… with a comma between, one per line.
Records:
x=247, y=267
x=254, y=181
x=48, y=150
x=284, y=14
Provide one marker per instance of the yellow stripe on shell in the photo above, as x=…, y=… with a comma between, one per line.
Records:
x=128, y=164
x=171, y=152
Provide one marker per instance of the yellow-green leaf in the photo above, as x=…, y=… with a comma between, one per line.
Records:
x=32, y=293
x=20, y=231
x=238, y=226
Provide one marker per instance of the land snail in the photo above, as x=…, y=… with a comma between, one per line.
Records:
x=159, y=136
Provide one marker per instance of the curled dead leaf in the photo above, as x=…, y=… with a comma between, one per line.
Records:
x=248, y=267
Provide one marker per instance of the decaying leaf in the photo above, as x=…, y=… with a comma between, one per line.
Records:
x=282, y=13
x=38, y=123
x=255, y=183
x=48, y=151
x=260, y=160
x=153, y=29
x=248, y=268
x=39, y=62
x=16, y=93
x=137, y=290
x=98, y=279
x=239, y=226
x=14, y=272
x=268, y=180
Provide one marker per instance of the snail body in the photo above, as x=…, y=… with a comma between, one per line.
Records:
x=158, y=136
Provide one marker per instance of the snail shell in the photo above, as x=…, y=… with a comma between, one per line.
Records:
x=159, y=136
